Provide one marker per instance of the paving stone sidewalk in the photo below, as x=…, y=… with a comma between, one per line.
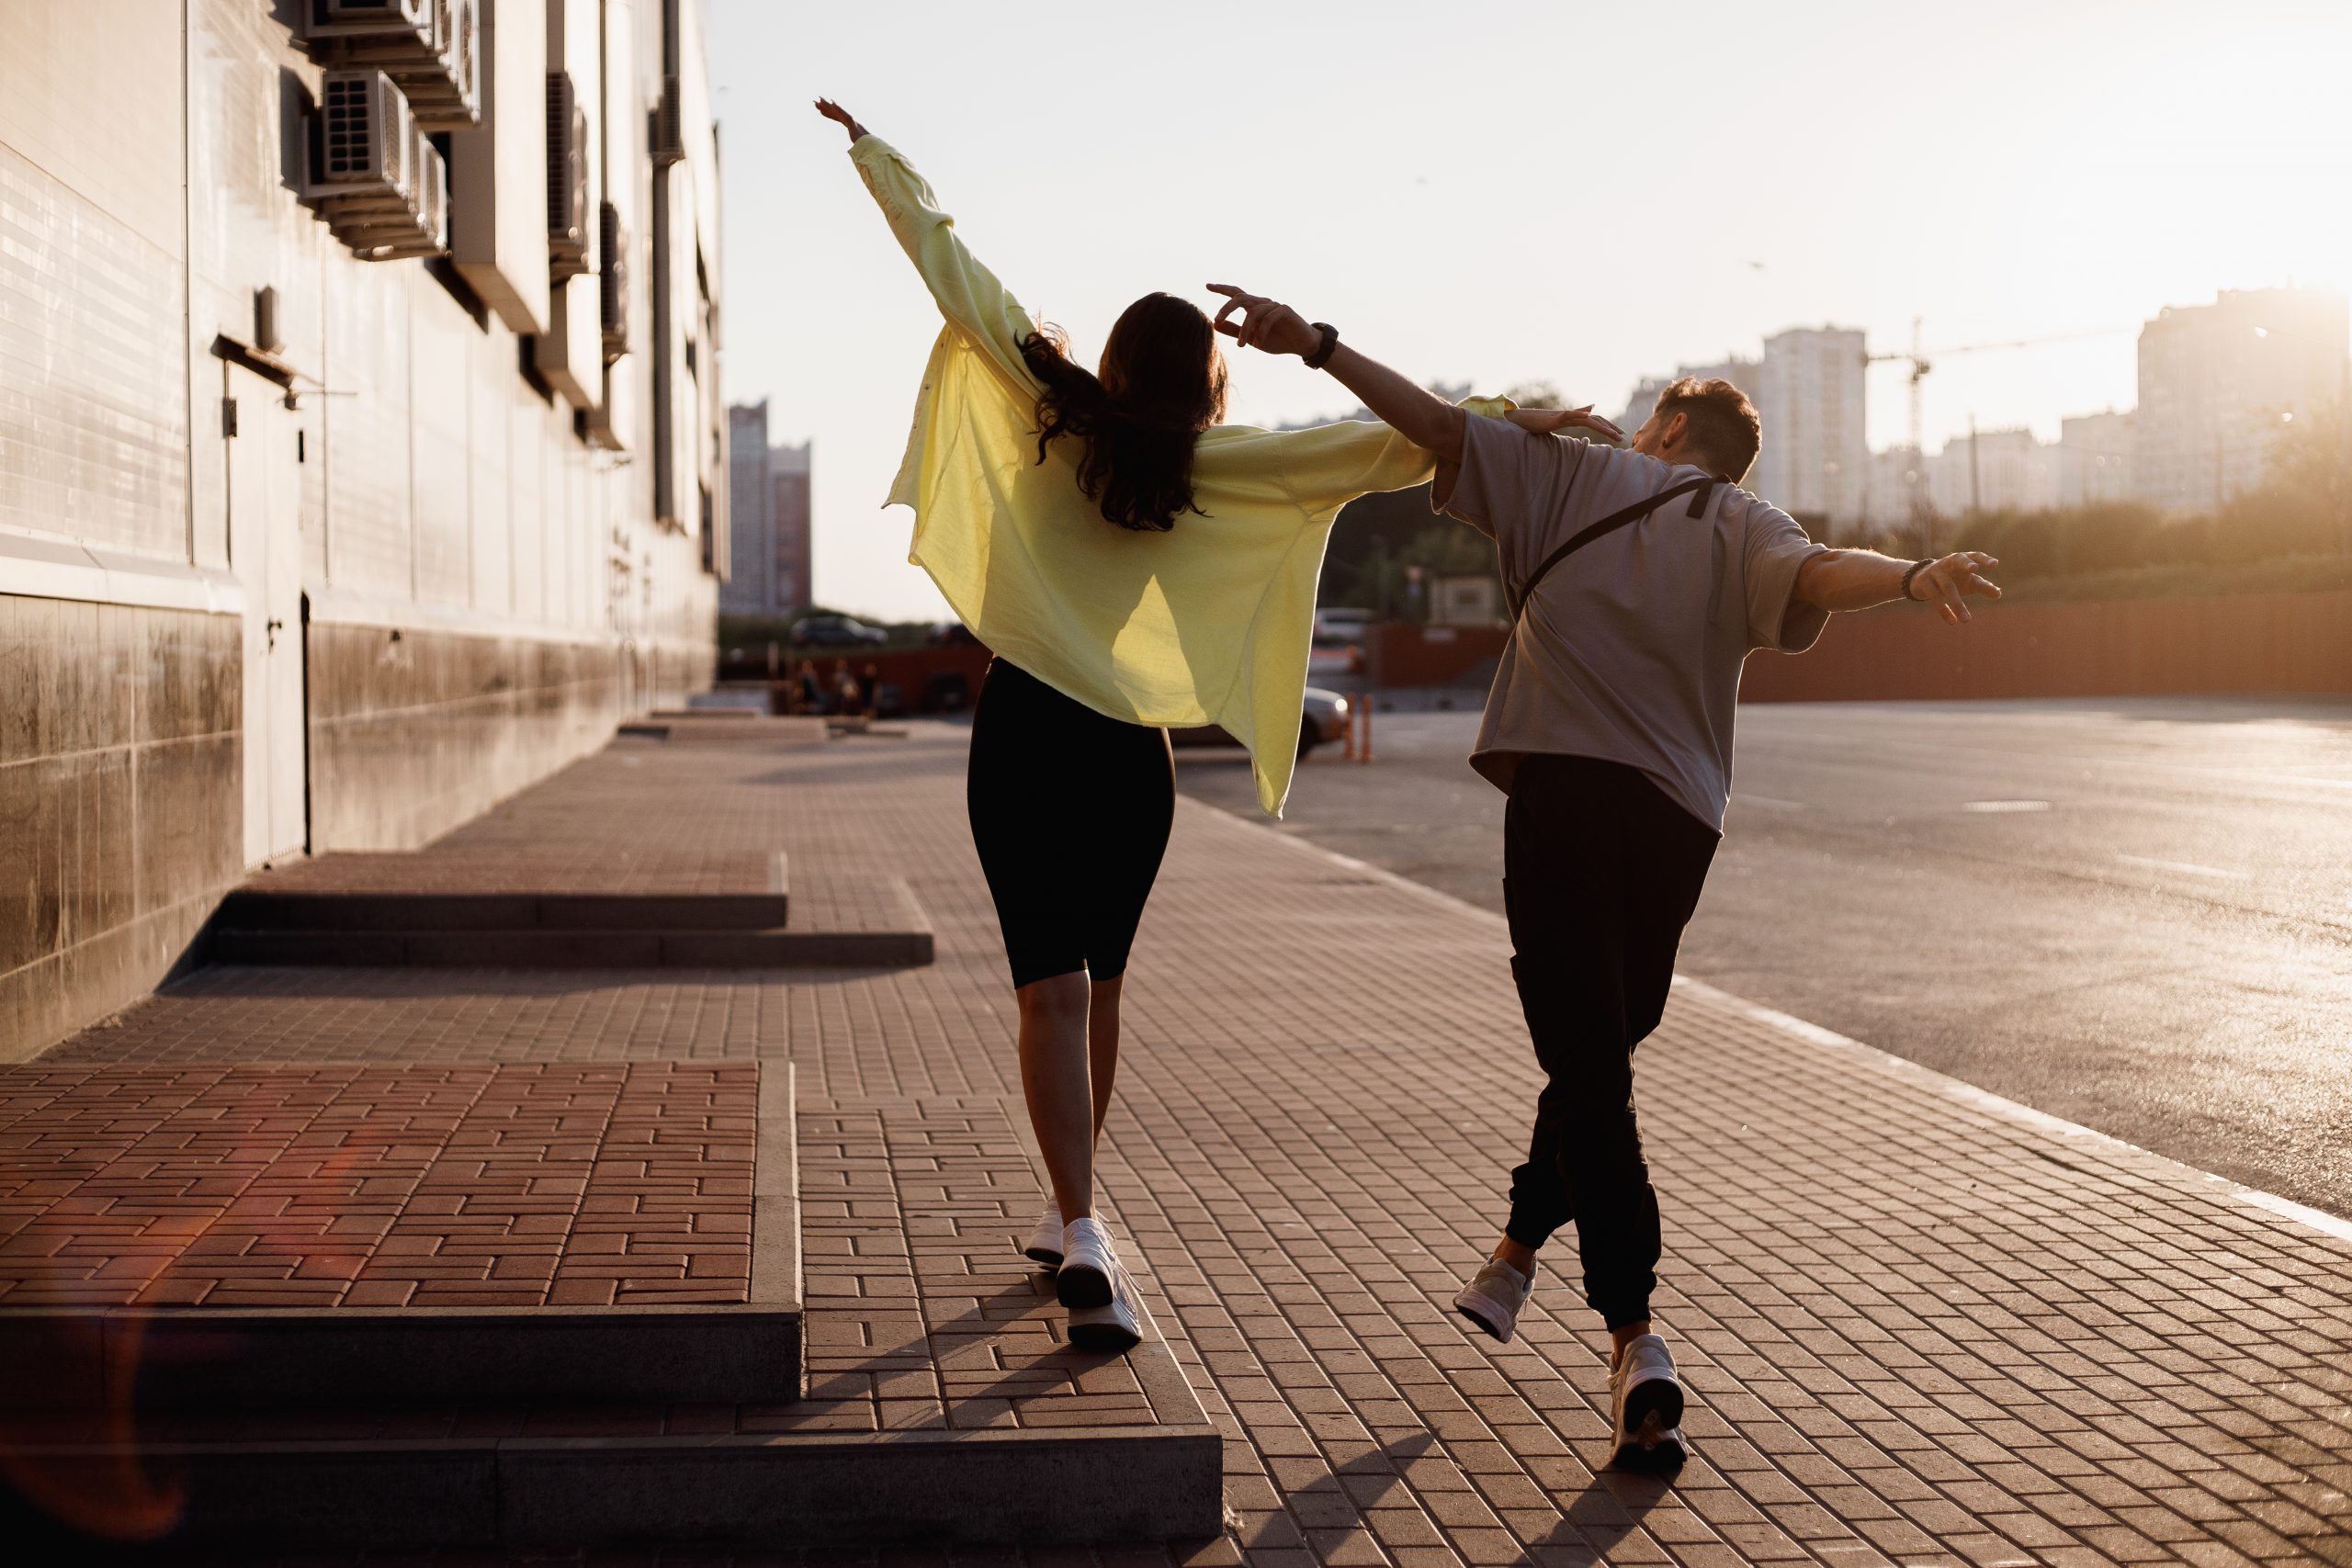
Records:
x=1919, y=1328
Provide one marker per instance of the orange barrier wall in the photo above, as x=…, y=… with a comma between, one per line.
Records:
x=2270, y=642
x=1401, y=654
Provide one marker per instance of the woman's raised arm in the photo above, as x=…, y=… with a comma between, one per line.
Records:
x=967, y=294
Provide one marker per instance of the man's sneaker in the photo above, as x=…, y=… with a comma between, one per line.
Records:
x=1115, y=1328
x=1046, y=1241
x=1088, y=1265
x=1493, y=1298
x=1646, y=1399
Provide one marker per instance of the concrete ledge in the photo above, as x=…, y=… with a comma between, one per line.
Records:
x=794, y=1489
x=196, y=1358
x=293, y=1358
x=999, y=1487
x=249, y=909
x=559, y=949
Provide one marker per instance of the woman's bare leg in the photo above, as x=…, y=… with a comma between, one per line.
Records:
x=1063, y=1108
x=1102, y=1044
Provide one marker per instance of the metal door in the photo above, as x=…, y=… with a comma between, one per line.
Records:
x=266, y=443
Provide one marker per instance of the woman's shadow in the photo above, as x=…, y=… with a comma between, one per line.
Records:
x=1610, y=1506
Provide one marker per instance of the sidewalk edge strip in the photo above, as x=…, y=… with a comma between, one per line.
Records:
x=2331, y=1225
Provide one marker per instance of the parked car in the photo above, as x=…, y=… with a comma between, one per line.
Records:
x=1337, y=647
x=836, y=631
x=1324, y=717
x=1336, y=626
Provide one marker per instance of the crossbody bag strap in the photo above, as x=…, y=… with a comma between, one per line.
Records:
x=1706, y=487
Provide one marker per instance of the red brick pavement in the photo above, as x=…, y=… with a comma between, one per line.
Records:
x=423, y=1185
x=1920, y=1328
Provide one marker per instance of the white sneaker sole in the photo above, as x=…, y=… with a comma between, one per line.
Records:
x=1082, y=1285
x=1653, y=1426
x=1486, y=1315
x=1109, y=1329
x=1042, y=1251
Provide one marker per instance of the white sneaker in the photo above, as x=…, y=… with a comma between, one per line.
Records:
x=1088, y=1264
x=1114, y=1328
x=1494, y=1296
x=1046, y=1241
x=1646, y=1399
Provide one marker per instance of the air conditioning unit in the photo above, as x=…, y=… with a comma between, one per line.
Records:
x=375, y=174
x=612, y=280
x=568, y=215
x=429, y=48
x=369, y=19
x=667, y=138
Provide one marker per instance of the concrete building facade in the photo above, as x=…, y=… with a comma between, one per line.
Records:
x=1895, y=495
x=2218, y=382
x=2095, y=458
x=1993, y=470
x=768, y=519
x=360, y=439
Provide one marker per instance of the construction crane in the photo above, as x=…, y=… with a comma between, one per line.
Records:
x=1924, y=360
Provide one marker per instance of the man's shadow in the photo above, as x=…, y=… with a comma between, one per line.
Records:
x=1610, y=1507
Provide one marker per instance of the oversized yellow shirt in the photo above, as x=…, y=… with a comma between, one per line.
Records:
x=1208, y=623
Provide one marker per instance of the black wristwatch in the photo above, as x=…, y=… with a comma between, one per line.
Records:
x=1916, y=567
x=1324, y=350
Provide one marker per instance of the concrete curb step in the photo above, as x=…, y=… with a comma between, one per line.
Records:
x=774, y=949
x=425, y=892
x=794, y=1489
x=571, y=931
x=209, y=1358
x=618, y=1474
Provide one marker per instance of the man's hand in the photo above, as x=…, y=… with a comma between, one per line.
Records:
x=1551, y=421
x=842, y=118
x=1267, y=324
x=1953, y=579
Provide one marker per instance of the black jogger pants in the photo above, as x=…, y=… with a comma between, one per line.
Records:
x=1600, y=874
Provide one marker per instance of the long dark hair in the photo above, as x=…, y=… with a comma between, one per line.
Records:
x=1163, y=384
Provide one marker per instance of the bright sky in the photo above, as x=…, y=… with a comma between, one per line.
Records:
x=1497, y=192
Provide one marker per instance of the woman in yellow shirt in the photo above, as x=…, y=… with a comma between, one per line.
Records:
x=1134, y=562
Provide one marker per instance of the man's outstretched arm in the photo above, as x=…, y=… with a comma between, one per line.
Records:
x=1856, y=580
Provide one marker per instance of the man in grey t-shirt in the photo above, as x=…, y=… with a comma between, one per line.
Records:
x=1639, y=583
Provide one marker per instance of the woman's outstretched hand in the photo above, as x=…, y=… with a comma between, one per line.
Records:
x=1268, y=324
x=842, y=118
x=1551, y=421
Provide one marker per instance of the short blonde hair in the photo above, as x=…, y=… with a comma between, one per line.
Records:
x=1723, y=426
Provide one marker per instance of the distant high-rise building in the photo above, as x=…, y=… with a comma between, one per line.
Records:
x=2095, y=458
x=1808, y=395
x=769, y=515
x=789, y=475
x=1815, y=461
x=2217, y=386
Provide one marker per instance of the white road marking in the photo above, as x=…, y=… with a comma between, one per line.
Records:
x=2188, y=867
x=1772, y=802
x=2275, y=776
x=2005, y=806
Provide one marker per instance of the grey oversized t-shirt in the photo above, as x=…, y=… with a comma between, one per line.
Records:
x=1630, y=650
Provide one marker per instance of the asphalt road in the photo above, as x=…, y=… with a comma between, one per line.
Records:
x=2136, y=915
